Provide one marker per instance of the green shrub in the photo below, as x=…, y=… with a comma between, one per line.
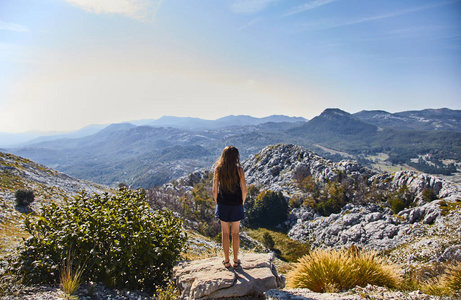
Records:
x=400, y=199
x=268, y=241
x=270, y=209
x=124, y=243
x=429, y=195
x=338, y=270
x=24, y=198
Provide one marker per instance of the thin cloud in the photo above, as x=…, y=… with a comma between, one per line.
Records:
x=319, y=26
x=308, y=6
x=136, y=9
x=251, y=23
x=13, y=27
x=250, y=6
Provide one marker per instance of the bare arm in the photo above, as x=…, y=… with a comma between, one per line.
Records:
x=243, y=184
x=215, y=186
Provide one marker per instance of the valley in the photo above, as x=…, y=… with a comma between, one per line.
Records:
x=329, y=204
x=152, y=152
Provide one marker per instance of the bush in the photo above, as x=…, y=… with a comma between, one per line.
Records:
x=268, y=241
x=124, y=243
x=269, y=209
x=338, y=270
x=24, y=198
x=400, y=199
x=429, y=195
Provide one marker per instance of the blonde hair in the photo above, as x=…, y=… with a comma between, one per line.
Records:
x=227, y=168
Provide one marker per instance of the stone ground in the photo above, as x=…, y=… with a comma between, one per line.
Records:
x=99, y=292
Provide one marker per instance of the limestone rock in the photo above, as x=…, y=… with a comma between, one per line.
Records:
x=209, y=279
x=452, y=253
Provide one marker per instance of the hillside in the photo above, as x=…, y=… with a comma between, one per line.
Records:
x=144, y=156
x=365, y=218
x=48, y=185
x=147, y=155
x=337, y=204
x=424, y=232
x=442, y=119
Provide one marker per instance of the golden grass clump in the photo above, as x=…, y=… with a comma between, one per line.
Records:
x=338, y=270
x=452, y=278
x=69, y=277
x=447, y=284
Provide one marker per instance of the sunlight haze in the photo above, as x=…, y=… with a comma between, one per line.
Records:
x=68, y=64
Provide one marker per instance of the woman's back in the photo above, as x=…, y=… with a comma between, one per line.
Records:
x=231, y=196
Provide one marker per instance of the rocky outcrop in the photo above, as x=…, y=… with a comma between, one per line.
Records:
x=369, y=226
x=209, y=279
x=424, y=224
x=417, y=183
x=277, y=167
x=366, y=226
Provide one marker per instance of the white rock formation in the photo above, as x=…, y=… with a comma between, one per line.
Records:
x=209, y=279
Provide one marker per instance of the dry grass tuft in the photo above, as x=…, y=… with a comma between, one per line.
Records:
x=69, y=277
x=447, y=284
x=338, y=270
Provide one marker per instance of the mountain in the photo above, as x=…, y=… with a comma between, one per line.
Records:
x=144, y=156
x=342, y=131
x=23, y=139
x=343, y=204
x=229, y=121
x=334, y=121
x=442, y=119
x=11, y=139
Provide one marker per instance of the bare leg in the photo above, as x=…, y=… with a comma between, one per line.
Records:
x=225, y=230
x=235, y=227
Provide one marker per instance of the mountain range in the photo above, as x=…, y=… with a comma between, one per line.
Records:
x=27, y=138
x=428, y=119
x=151, y=152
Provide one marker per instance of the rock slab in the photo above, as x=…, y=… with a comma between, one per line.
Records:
x=209, y=279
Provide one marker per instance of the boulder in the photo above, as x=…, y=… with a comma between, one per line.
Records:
x=209, y=279
x=452, y=253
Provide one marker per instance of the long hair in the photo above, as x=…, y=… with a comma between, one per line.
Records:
x=227, y=168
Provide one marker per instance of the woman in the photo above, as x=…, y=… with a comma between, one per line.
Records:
x=229, y=193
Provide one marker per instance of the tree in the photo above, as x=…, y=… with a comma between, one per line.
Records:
x=268, y=241
x=270, y=209
x=24, y=198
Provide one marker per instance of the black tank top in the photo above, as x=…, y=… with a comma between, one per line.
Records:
x=232, y=198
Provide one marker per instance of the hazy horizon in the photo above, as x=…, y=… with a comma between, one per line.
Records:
x=153, y=119
x=67, y=64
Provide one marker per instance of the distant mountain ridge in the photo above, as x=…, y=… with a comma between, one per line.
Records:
x=187, y=123
x=228, y=121
x=427, y=119
x=145, y=156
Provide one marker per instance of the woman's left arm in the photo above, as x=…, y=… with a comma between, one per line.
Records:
x=215, y=186
x=243, y=184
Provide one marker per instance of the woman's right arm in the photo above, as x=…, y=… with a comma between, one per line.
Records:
x=243, y=184
x=215, y=186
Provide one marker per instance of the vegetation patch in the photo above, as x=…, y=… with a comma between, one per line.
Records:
x=269, y=209
x=447, y=207
x=285, y=248
x=124, y=242
x=339, y=270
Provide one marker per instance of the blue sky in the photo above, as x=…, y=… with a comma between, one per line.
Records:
x=65, y=64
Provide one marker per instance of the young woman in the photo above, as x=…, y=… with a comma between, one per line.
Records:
x=229, y=193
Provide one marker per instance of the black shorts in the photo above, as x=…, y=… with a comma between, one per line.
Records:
x=229, y=213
